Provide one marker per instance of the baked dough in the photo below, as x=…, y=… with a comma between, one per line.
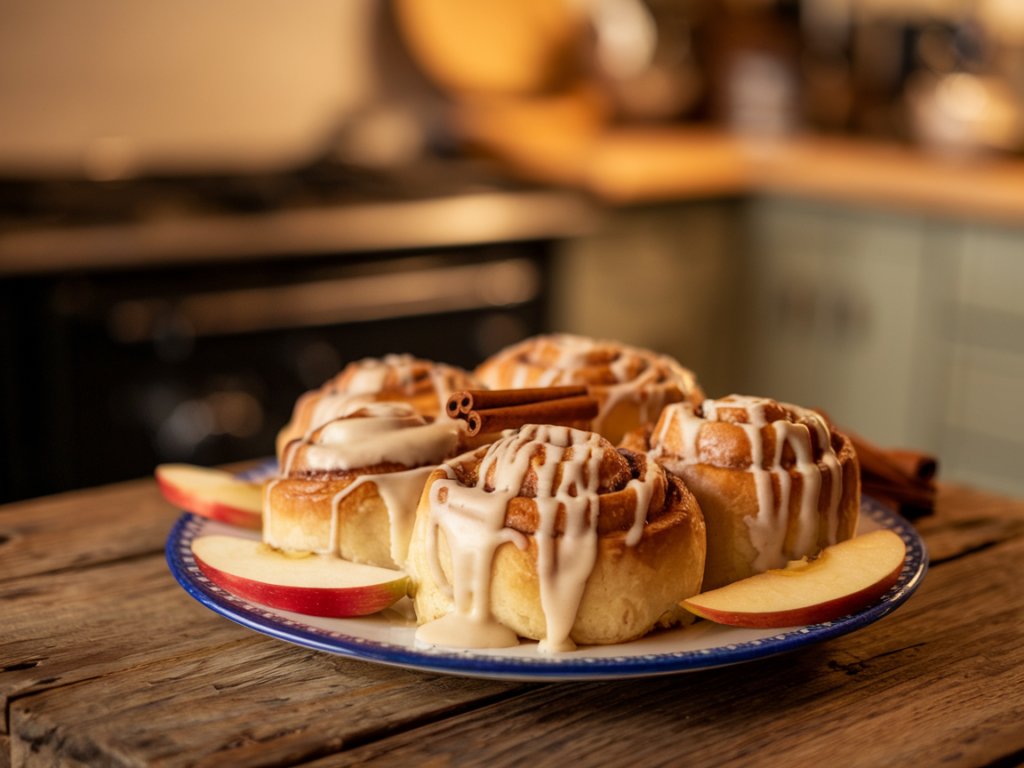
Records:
x=553, y=534
x=776, y=482
x=350, y=488
x=631, y=385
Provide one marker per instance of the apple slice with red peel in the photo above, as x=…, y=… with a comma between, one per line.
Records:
x=307, y=583
x=212, y=493
x=844, y=578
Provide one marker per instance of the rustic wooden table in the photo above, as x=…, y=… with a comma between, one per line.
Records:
x=106, y=661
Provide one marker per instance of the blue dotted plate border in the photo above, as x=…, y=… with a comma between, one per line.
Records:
x=547, y=667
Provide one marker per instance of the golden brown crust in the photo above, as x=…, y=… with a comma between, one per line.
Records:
x=726, y=443
x=303, y=508
x=631, y=590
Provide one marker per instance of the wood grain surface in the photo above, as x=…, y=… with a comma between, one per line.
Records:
x=903, y=691
x=83, y=528
x=253, y=702
x=106, y=661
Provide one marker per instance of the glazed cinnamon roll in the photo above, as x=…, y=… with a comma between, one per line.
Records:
x=351, y=487
x=775, y=482
x=631, y=384
x=424, y=384
x=553, y=534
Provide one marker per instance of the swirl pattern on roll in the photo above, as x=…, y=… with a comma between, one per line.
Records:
x=631, y=384
x=552, y=534
x=776, y=481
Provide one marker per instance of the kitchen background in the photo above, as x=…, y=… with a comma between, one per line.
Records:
x=208, y=208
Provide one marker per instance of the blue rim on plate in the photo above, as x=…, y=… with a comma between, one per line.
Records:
x=702, y=646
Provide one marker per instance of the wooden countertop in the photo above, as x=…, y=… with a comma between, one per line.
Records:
x=105, y=660
x=892, y=178
x=624, y=166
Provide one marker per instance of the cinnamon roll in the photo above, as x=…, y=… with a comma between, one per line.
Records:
x=424, y=384
x=351, y=487
x=631, y=384
x=552, y=534
x=776, y=482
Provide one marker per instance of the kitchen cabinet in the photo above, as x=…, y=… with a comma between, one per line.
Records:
x=835, y=301
x=904, y=327
x=131, y=338
x=907, y=329
x=983, y=436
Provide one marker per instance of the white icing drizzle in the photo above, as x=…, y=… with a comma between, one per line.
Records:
x=474, y=527
x=644, y=489
x=769, y=527
x=365, y=377
x=643, y=389
x=400, y=492
x=521, y=378
x=350, y=443
x=368, y=377
x=473, y=521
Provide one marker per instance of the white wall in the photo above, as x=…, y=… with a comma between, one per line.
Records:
x=109, y=86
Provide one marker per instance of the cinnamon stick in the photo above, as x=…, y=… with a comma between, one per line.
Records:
x=565, y=411
x=461, y=403
x=903, y=477
x=914, y=463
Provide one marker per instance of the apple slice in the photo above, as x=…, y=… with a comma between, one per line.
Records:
x=844, y=578
x=212, y=493
x=307, y=583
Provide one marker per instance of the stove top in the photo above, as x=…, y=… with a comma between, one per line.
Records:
x=58, y=203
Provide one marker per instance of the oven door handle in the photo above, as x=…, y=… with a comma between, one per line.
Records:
x=380, y=296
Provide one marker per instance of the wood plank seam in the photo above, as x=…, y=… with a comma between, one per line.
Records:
x=35, y=691
x=50, y=735
x=435, y=718
x=861, y=664
x=124, y=559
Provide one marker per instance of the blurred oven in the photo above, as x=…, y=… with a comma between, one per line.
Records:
x=109, y=373
x=179, y=263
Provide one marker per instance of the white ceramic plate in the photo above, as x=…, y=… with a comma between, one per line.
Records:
x=388, y=637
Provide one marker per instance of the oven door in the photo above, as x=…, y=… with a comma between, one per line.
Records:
x=112, y=373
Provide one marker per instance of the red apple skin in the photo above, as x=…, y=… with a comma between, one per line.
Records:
x=789, y=597
x=215, y=510
x=310, y=601
x=812, y=614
